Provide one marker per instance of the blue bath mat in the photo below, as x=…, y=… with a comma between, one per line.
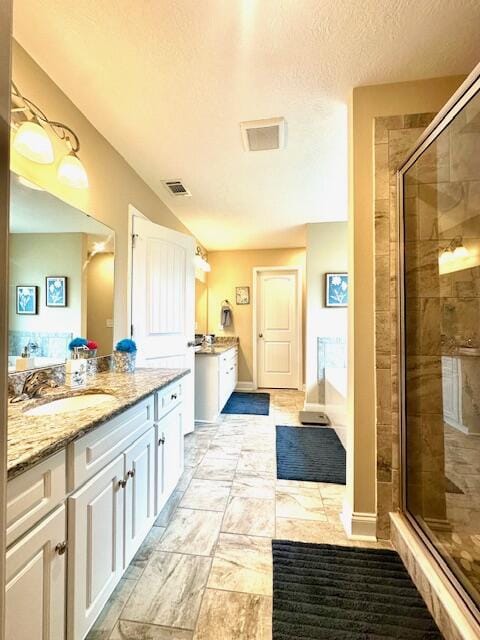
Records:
x=343, y=593
x=311, y=454
x=257, y=404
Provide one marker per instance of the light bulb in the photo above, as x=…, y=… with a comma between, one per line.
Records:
x=71, y=172
x=199, y=261
x=445, y=256
x=461, y=252
x=32, y=142
x=206, y=266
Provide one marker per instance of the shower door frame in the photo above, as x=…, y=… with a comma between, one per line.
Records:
x=457, y=102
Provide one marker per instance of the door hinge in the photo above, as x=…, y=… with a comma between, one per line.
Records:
x=134, y=240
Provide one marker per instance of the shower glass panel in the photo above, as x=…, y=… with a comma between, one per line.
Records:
x=441, y=426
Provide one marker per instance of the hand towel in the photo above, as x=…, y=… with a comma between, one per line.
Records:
x=225, y=315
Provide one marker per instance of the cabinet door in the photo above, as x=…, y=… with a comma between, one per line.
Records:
x=35, y=589
x=95, y=551
x=160, y=495
x=172, y=429
x=139, y=492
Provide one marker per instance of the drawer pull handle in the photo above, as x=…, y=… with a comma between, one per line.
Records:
x=61, y=548
x=161, y=440
x=131, y=473
x=122, y=484
x=173, y=396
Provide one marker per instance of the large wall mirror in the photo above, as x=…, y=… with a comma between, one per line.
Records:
x=61, y=280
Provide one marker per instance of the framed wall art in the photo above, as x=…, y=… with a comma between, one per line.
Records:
x=56, y=291
x=27, y=300
x=242, y=295
x=336, y=289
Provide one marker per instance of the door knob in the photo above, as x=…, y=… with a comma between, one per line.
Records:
x=260, y=335
x=191, y=343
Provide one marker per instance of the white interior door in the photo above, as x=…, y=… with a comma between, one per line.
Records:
x=278, y=300
x=163, y=302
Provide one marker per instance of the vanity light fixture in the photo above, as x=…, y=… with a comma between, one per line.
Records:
x=454, y=251
x=33, y=141
x=201, y=261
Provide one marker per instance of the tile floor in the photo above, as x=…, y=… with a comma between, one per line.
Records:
x=205, y=570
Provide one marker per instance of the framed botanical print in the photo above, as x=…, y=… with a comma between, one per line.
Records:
x=27, y=300
x=243, y=295
x=336, y=289
x=56, y=291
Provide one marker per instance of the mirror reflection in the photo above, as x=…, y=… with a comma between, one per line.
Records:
x=61, y=279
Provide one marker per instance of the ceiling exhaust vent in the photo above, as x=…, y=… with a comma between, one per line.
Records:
x=263, y=135
x=176, y=188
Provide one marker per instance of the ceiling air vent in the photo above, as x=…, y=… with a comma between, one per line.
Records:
x=263, y=135
x=176, y=188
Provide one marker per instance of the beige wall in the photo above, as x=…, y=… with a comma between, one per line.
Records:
x=100, y=301
x=35, y=256
x=232, y=269
x=366, y=104
x=327, y=251
x=201, y=306
x=113, y=183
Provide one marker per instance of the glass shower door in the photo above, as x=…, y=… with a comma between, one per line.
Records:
x=440, y=204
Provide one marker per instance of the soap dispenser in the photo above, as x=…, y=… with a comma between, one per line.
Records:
x=76, y=370
x=24, y=362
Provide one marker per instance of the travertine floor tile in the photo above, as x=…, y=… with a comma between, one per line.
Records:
x=207, y=494
x=107, y=619
x=250, y=516
x=170, y=591
x=143, y=555
x=215, y=469
x=226, y=615
x=169, y=509
x=300, y=503
x=128, y=630
x=192, y=531
x=253, y=487
x=242, y=563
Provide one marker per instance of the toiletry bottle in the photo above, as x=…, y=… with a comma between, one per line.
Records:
x=76, y=370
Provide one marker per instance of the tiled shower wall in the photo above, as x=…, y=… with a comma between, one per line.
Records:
x=394, y=136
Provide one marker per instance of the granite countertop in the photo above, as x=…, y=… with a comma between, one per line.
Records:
x=33, y=438
x=215, y=349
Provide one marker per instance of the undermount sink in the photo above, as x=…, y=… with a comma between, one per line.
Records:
x=72, y=403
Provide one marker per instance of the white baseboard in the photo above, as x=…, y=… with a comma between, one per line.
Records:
x=245, y=386
x=357, y=525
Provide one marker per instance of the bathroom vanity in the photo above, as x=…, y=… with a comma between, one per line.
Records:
x=84, y=489
x=216, y=376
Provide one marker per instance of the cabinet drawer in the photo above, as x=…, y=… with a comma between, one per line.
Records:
x=90, y=454
x=228, y=359
x=167, y=399
x=33, y=494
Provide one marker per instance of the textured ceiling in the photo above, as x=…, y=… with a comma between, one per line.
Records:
x=168, y=81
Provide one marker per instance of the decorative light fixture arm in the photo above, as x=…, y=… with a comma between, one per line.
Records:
x=62, y=131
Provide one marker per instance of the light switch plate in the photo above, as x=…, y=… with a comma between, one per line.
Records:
x=109, y=323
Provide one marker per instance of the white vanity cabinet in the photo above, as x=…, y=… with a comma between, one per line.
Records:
x=216, y=377
x=35, y=582
x=95, y=546
x=139, y=493
x=76, y=519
